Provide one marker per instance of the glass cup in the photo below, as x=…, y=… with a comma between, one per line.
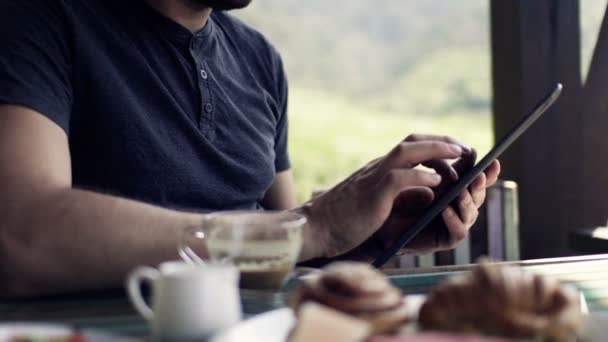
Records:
x=264, y=245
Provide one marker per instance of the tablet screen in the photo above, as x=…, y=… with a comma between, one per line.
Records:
x=465, y=180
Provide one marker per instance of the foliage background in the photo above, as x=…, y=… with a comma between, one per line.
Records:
x=366, y=73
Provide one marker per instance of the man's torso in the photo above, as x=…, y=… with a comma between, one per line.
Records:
x=165, y=116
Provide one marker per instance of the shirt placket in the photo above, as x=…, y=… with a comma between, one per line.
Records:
x=206, y=119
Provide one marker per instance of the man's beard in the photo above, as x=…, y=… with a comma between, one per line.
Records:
x=223, y=5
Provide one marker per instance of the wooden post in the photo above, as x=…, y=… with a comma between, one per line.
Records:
x=534, y=45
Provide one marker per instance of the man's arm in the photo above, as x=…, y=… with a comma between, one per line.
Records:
x=56, y=238
x=282, y=193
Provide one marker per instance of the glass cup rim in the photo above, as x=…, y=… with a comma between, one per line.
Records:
x=284, y=219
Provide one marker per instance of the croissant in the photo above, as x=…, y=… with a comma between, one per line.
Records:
x=503, y=301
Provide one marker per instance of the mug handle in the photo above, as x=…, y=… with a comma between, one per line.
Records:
x=136, y=278
x=184, y=249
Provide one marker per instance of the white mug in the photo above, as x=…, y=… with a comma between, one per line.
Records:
x=188, y=302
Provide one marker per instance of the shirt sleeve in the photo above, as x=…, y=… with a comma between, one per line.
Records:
x=282, y=161
x=35, y=67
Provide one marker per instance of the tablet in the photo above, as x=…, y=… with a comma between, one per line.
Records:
x=466, y=179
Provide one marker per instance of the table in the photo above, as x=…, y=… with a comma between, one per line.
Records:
x=111, y=311
x=588, y=273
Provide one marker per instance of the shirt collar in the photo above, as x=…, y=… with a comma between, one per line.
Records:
x=171, y=29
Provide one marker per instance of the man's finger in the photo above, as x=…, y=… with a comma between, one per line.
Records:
x=478, y=190
x=492, y=173
x=397, y=180
x=456, y=228
x=467, y=208
x=430, y=137
x=445, y=169
x=407, y=155
x=465, y=163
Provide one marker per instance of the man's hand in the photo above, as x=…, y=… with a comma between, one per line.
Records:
x=452, y=227
x=351, y=212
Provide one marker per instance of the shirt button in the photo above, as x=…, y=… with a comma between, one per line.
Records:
x=203, y=74
x=208, y=108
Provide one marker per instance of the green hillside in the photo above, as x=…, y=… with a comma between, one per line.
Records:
x=358, y=47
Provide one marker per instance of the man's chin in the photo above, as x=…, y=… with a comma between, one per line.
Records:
x=223, y=5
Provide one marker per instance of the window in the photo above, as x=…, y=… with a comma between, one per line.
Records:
x=592, y=13
x=366, y=73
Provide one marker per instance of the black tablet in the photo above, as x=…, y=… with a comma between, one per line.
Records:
x=465, y=180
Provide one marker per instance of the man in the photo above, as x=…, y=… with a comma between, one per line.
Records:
x=122, y=121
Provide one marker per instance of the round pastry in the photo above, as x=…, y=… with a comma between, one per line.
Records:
x=359, y=290
x=503, y=301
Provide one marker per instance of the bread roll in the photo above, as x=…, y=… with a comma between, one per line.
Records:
x=359, y=290
x=503, y=301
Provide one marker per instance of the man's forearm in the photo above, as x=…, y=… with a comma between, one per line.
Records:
x=74, y=239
